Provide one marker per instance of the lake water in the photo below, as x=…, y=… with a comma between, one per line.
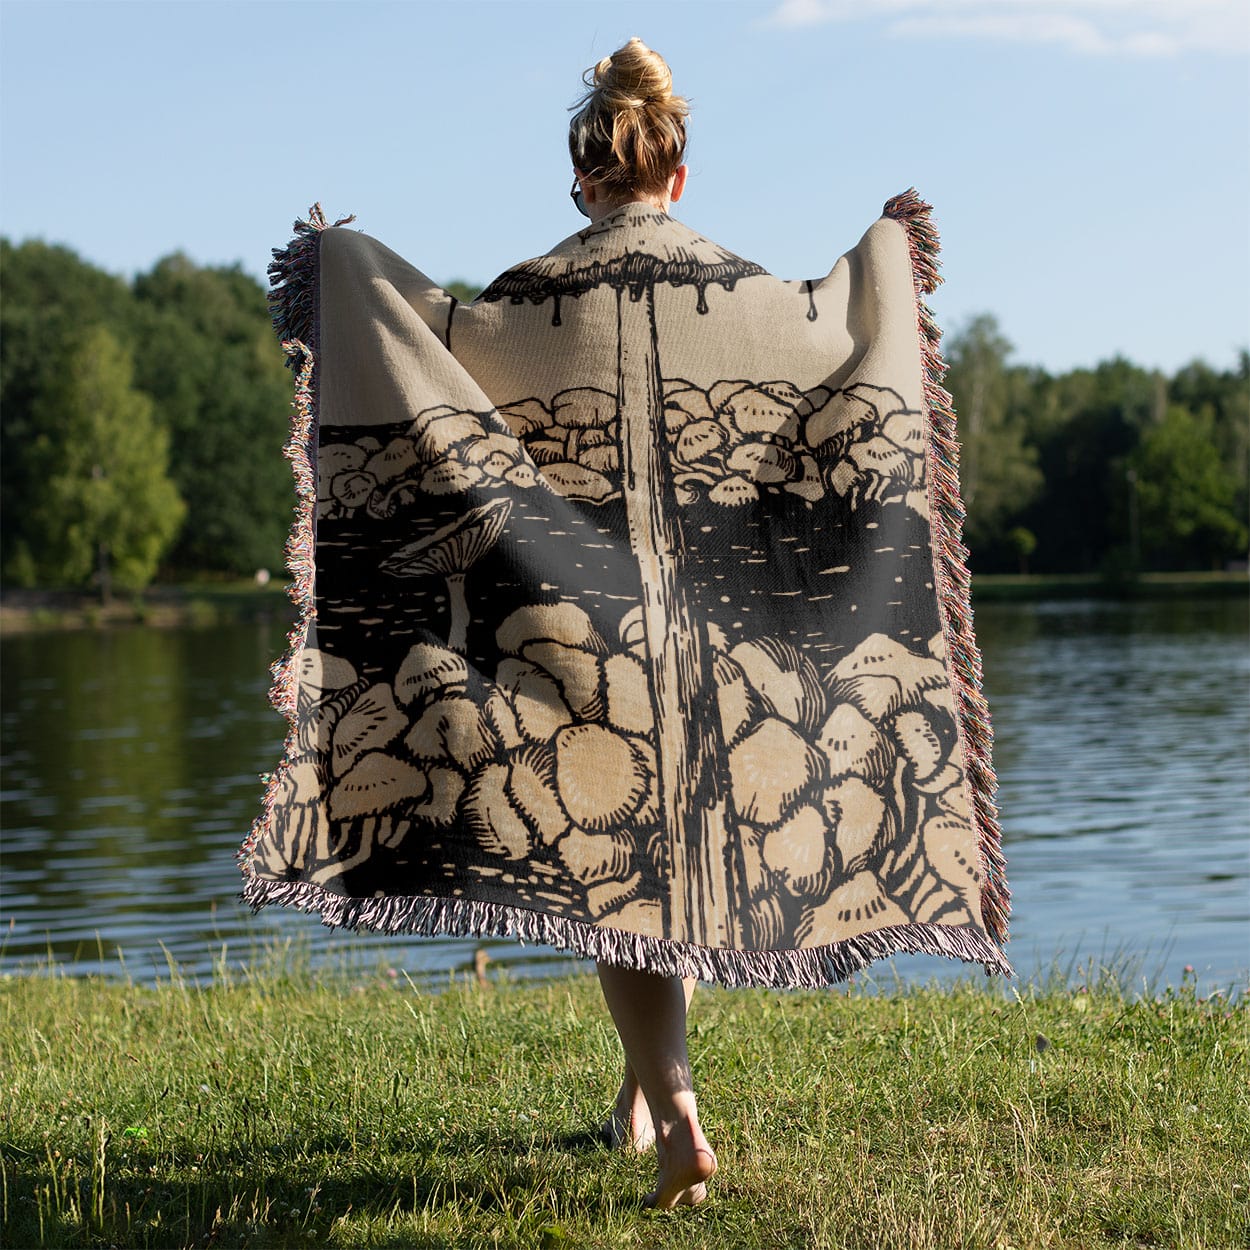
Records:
x=131, y=759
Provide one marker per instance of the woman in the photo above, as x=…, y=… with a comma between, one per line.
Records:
x=628, y=141
x=639, y=625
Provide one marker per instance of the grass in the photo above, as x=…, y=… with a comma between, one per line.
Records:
x=1011, y=587
x=195, y=603
x=292, y=1109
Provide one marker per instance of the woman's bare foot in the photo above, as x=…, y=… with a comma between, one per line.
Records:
x=686, y=1165
x=628, y=1126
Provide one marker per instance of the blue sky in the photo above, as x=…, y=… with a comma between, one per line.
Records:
x=1089, y=160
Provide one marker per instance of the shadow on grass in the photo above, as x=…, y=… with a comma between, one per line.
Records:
x=262, y=1197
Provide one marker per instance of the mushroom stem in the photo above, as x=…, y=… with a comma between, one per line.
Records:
x=692, y=791
x=458, y=626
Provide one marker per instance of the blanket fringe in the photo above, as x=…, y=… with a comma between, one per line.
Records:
x=951, y=564
x=784, y=969
x=293, y=295
x=293, y=303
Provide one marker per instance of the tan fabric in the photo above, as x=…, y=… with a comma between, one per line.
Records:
x=632, y=609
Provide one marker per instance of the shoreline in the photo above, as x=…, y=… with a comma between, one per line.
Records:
x=203, y=604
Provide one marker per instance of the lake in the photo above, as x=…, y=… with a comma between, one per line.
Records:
x=131, y=762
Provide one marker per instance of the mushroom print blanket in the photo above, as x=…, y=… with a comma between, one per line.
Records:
x=633, y=615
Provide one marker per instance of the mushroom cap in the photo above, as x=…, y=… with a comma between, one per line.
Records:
x=537, y=704
x=880, y=455
x=548, y=622
x=525, y=416
x=576, y=671
x=453, y=729
x=482, y=449
x=532, y=788
x=578, y=483
x=906, y=429
x=449, y=477
x=769, y=769
x=798, y=850
x=859, y=819
x=429, y=667
x=950, y=851
x=858, y=905
x=635, y=247
x=335, y=459
x=352, y=488
x=605, y=897
x=763, y=462
x=734, y=491
x=491, y=817
x=376, y=784
x=784, y=677
x=919, y=742
x=846, y=413
x=372, y=722
x=583, y=407
x=684, y=403
x=593, y=857
x=445, y=433
x=700, y=438
x=397, y=457
x=319, y=670
x=881, y=655
x=601, y=780
x=627, y=694
x=762, y=410
x=853, y=744
x=455, y=547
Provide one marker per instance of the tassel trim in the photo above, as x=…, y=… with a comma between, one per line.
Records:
x=293, y=293
x=293, y=303
x=784, y=969
x=950, y=559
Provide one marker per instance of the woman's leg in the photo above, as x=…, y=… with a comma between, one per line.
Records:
x=629, y=1123
x=650, y=1015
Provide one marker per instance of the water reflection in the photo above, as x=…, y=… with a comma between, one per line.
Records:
x=131, y=763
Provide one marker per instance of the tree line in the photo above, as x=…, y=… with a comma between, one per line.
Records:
x=142, y=423
x=1113, y=470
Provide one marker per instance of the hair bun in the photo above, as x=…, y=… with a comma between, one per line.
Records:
x=629, y=129
x=633, y=77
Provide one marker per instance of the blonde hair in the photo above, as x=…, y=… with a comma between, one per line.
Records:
x=629, y=131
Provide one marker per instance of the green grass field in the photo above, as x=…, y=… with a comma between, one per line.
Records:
x=286, y=1109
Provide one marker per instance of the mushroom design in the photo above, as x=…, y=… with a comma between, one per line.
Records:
x=452, y=551
x=693, y=791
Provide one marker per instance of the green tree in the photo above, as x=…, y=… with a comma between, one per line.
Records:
x=1186, y=495
x=104, y=504
x=465, y=292
x=1085, y=424
x=208, y=358
x=1024, y=543
x=51, y=298
x=997, y=467
x=1223, y=398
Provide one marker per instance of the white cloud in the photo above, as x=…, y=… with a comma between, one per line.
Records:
x=1137, y=28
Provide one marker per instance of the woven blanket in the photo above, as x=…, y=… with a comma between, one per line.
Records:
x=634, y=618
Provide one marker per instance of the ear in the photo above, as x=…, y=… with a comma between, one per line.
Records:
x=679, y=182
x=588, y=185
